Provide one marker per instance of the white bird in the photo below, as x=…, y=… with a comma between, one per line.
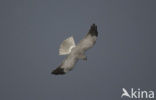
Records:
x=75, y=52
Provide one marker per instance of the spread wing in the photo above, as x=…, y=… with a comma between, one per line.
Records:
x=77, y=52
x=89, y=40
x=66, y=65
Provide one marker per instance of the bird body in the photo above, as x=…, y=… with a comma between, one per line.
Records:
x=75, y=52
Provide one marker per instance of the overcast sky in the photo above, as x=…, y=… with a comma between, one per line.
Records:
x=31, y=32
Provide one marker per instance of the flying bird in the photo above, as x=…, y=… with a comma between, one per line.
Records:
x=75, y=52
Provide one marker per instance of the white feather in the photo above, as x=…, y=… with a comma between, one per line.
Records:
x=66, y=46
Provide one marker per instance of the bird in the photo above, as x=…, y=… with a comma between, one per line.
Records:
x=75, y=52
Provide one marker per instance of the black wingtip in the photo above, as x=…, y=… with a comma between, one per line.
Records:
x=93, y=30
x=58, y=71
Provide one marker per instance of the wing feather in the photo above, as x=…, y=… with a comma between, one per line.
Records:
x=89, y=40
x=66, y=65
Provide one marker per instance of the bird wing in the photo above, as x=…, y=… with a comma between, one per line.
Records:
x=66, y=65
x=66, y=46
x=89, y=40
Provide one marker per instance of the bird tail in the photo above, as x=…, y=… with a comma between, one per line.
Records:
x=58, y=71
x=93, y=30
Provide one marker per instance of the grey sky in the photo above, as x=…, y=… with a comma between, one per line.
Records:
x=32, y=30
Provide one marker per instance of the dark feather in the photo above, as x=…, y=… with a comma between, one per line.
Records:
x=58, y=71
x=93, y=30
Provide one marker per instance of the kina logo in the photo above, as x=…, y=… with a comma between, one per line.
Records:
x=137, y=93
